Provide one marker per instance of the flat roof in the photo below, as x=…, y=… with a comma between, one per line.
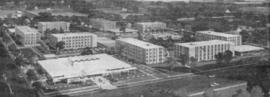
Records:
x=77, y=66
x=72, y=34
x=27, y=30
x=217, y=33
x=139, y=43
x=53, y=22
x=150, y=23
x=106, y=41
x=247, y=48
x=117, y=30
x=203, y=43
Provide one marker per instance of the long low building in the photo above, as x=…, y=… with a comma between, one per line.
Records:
x=83, y=67
x=203, y=50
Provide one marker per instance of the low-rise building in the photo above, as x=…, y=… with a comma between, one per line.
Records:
x=58, y=25
x=28, y=36
x=128, y=33
x=149, y=27
x=75, y=40
x=211, y=35
x=203, y=50
x=140, y=51
x=103, y=24
x=83, y=67
x=245, y=50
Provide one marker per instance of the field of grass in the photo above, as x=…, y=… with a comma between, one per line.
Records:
x=165, y=89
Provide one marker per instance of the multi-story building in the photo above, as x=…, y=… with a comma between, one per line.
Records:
x=28, y=36
x=203, y=50
x=140, y=51
x=145, y=27
x=58, y=25
x=211, y=35
x=75, y=40
x=103, y=24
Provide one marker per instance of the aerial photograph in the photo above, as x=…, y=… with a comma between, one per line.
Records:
x=134, y=48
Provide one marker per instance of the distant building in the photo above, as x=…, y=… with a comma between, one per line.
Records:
x=82, y=68
x=103, y=24
x=203, y=50
x=211, y=35
x=75, y=40
x=58, y=25
x=165, y=36
x=28, y=36
x=140, y=51
x=203, y=1
x=150, y=27
x=128, y=33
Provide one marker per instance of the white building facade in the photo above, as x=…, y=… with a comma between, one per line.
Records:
x=203, y=50
x=145, y=27
x=211, y=35
x=75, y=40
x=28, y=36
x=103, y=24
x=58, y=25
x=140, y=51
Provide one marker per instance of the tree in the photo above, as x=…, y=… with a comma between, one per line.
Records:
x=183, y=59
x=228, y=56
x=123, y=26
x=193, y=60
x=172, y=63
x=219, y=58
x=31, y=74
x=87, y=51
x=245, y=36
x=242, y=93
x=44, y=16
x=60, y=45
x=257, y=91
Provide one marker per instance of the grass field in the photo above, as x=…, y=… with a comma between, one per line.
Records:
x=164, y=89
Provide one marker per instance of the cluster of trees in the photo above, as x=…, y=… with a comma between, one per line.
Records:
x=59, y=46
x=165, y=43
x=224, y=58
x=87, y=51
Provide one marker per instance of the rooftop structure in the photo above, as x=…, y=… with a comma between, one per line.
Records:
x=26, y=29
x=139, y=43
x=247, y=48
x=82, y=66
x=202, y=43
x=216, y=33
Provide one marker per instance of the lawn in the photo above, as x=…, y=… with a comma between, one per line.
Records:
x=163, y=89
